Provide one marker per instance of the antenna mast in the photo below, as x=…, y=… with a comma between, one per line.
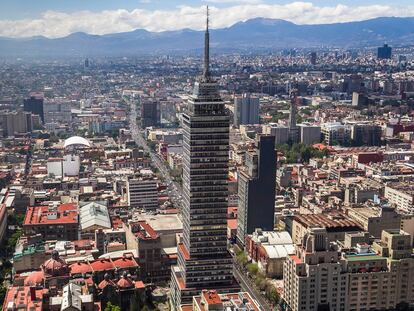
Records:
x=206, y=71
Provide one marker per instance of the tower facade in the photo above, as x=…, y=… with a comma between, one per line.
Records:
x=293, y=128
x=257, y=189
x=203, y=258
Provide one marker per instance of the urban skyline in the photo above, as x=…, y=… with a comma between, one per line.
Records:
x=274, y=172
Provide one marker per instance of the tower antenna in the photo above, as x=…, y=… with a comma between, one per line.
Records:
x=206, y=71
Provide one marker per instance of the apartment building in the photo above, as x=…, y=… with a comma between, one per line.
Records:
x=401, y=194
x=366, y=277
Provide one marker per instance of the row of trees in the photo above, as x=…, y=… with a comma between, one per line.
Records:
x=258, y=277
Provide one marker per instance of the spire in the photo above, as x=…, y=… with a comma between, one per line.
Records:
x=206, y=70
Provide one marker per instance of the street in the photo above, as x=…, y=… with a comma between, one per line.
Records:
x=247, y=285
x=173, y=187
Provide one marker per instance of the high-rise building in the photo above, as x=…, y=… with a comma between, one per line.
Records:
x=313, y=58
x=204, y=261
x=280, y=133
x=366, y=135
x=309, y=134
x=320, y=276
x=34, y=104
x=246, y=109
x=58, y=110
x=257, y=188
x=15, y=122
x=336, y=133
x=384, y=52
x=150, y=113
x=143, y=193
x=293, y=128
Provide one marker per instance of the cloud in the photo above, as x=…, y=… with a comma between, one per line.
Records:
x=57, y=24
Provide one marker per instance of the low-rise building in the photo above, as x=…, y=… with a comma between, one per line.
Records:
x=269, y=250
x=53, y=221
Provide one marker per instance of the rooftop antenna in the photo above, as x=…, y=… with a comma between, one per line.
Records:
x=206, y=71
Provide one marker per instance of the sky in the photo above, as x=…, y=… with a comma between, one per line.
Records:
x=59, y=18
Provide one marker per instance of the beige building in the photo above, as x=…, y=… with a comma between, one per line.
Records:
x=401, y=194
x=313, y=277
x=374, y=219
x=336, y=225
x=377, y=277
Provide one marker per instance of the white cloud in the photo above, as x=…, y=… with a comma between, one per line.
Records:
x=57, y=24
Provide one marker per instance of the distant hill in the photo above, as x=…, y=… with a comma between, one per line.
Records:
x=253, y=34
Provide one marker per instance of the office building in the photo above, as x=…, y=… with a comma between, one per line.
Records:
x=34, y=104
x=256, y=189
x=309, y=134
x=384, y=52
x=57, y=110
x=293, y=128
x=203, y=258
x=15, y=123
x=336, y=134
x=143, y=193
x=280, y=133
x=366, y=135
x=246, y=109
x=313, y=58
x=150, y=113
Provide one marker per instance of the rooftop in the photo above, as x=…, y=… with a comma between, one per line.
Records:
x=43, y=215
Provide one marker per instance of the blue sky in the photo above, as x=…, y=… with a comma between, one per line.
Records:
x=58, y=18
x=17, y=9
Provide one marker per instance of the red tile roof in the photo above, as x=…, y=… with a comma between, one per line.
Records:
x=80, y=268
x=38, y=215
x=102, y=264
x=21, y=296
x=125, y=262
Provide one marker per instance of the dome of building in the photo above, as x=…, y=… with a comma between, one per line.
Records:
x=106, y=281
x=55, y=266
x=125, y=281
x=35, y=278
x=76, y=140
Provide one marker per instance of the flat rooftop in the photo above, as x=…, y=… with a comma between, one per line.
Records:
x=161, y=222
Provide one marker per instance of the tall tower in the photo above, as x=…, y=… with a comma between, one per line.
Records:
x=203, y=258
x=293, y=128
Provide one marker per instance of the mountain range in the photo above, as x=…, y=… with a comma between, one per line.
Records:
x=254, y=34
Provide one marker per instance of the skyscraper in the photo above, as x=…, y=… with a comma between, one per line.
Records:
x=257, y=184
x=203, y=259
x=150, y=113
x=293, y=128
x=384, y=52
x=34, y=104
x=313, y=58
x=246, y=109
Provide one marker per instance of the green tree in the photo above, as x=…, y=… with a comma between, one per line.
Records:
x=272, y=294
x=111, y=307
x=253, y=268
x=242, y=258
